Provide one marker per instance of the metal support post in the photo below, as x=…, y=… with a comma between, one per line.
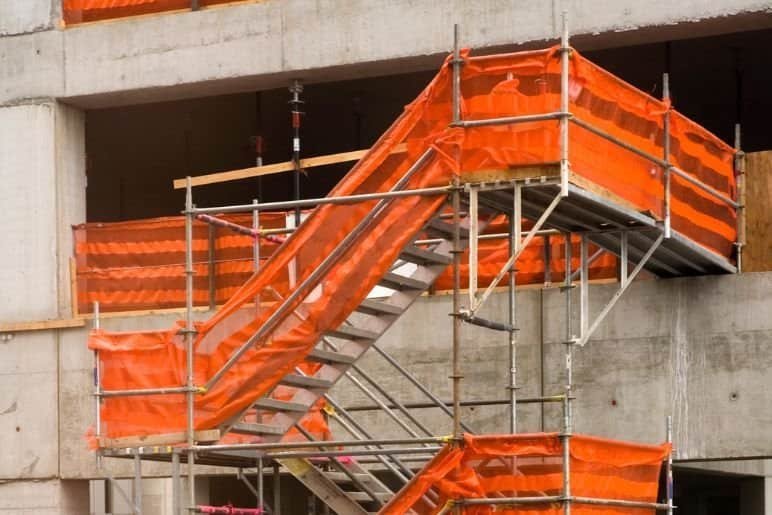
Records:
x=568, y=286
x=176, y=483
x=739, y=168
x=189, y=333
x=623, y=258
x=296, y=89
x=276, y=489
x=256, y=244
x=137, y=484
x=666, y=147
x=669, y=465
x=456, y=86
x=515, y=226
x=456, y=358
x=260, y=483
x=474, y=235
x=565, y=51
x=211, y=266
x=566, y=439
x=97, y=389
x=584, y=289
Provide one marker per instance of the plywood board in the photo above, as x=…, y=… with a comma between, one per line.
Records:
x=757, y=252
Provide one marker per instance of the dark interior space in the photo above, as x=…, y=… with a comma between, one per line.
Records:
x=135, y=152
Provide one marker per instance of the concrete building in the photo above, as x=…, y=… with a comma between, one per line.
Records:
x=97, y=119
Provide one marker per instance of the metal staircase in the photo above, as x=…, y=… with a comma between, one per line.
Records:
x=345, y=485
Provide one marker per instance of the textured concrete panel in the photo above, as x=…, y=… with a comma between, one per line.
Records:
x=28, y=406
x=53, y=497
x=28, y=261
x=20, y=16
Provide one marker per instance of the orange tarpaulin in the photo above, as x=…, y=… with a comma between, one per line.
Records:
x=77, y=11
x=139, y=265
x=275, y=339
x=530, y=465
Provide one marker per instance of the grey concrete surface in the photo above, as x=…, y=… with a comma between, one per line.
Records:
x=52, y=497
x=259, y=45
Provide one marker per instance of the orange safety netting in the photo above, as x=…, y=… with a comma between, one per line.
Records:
x=514, y=84
x=139, y=265
x=531, y=465
x=78, y=11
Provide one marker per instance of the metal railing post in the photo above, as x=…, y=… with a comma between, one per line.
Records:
x=669, y=465
x=565, y=51
x=739, y=167
x=189, y=333
x=666, y=152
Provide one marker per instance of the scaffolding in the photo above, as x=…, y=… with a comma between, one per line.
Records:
x=555, y=205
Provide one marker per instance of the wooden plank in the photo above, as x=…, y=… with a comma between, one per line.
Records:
x=757, y=253
x=208, y=435
x=534, y=172
x=42, y=325
x=592, y=187
x=286, y=166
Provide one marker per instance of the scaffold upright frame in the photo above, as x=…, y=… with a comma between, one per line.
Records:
x=536, y=198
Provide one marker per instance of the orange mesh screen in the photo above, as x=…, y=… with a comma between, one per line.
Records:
x=139, y=265
x=78, y=11
x=530, y=465
x=510, y=84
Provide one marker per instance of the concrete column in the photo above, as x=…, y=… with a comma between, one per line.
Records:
x=42, y=164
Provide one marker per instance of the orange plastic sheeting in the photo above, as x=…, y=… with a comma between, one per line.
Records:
x=530, y=465
x=139, y=265
x=78, y=11
x=512, y=84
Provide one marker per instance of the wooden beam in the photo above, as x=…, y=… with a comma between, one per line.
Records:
x=41, y=325
x=205, y=436
x=757, y=252
x=286, y=166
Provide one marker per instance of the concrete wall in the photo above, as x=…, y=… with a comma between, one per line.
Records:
x=259, y=45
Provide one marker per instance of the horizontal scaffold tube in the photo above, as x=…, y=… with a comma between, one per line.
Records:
x=317, y=444
x=343, y=199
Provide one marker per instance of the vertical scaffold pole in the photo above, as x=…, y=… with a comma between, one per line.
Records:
x=97, y=390
x=456, y=377
x=566, y=439
x=296, y=89
x=565, y=51
x=189, y=332
x=456, y=87
x=515, y=227
x=456, y=204
x=669, y=465
x=256, y=244
x=137, y=483
x=584, y=288
x=739, y=167
x=666, y=150
x=474, y=240
x=276, y=489
x=176, y=482
x=260, y=483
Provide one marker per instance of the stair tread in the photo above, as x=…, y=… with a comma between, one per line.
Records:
x=445, y=228
x=342, y=477
x=252, y=428
x=399, y=282
x=353, y=332
x=421, y=256
x=267, y=403
x=377, y=307
x=328, y=356
x=364, y=496
x=299, y=381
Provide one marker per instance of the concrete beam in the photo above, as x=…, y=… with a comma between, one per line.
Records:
x=261, y=45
